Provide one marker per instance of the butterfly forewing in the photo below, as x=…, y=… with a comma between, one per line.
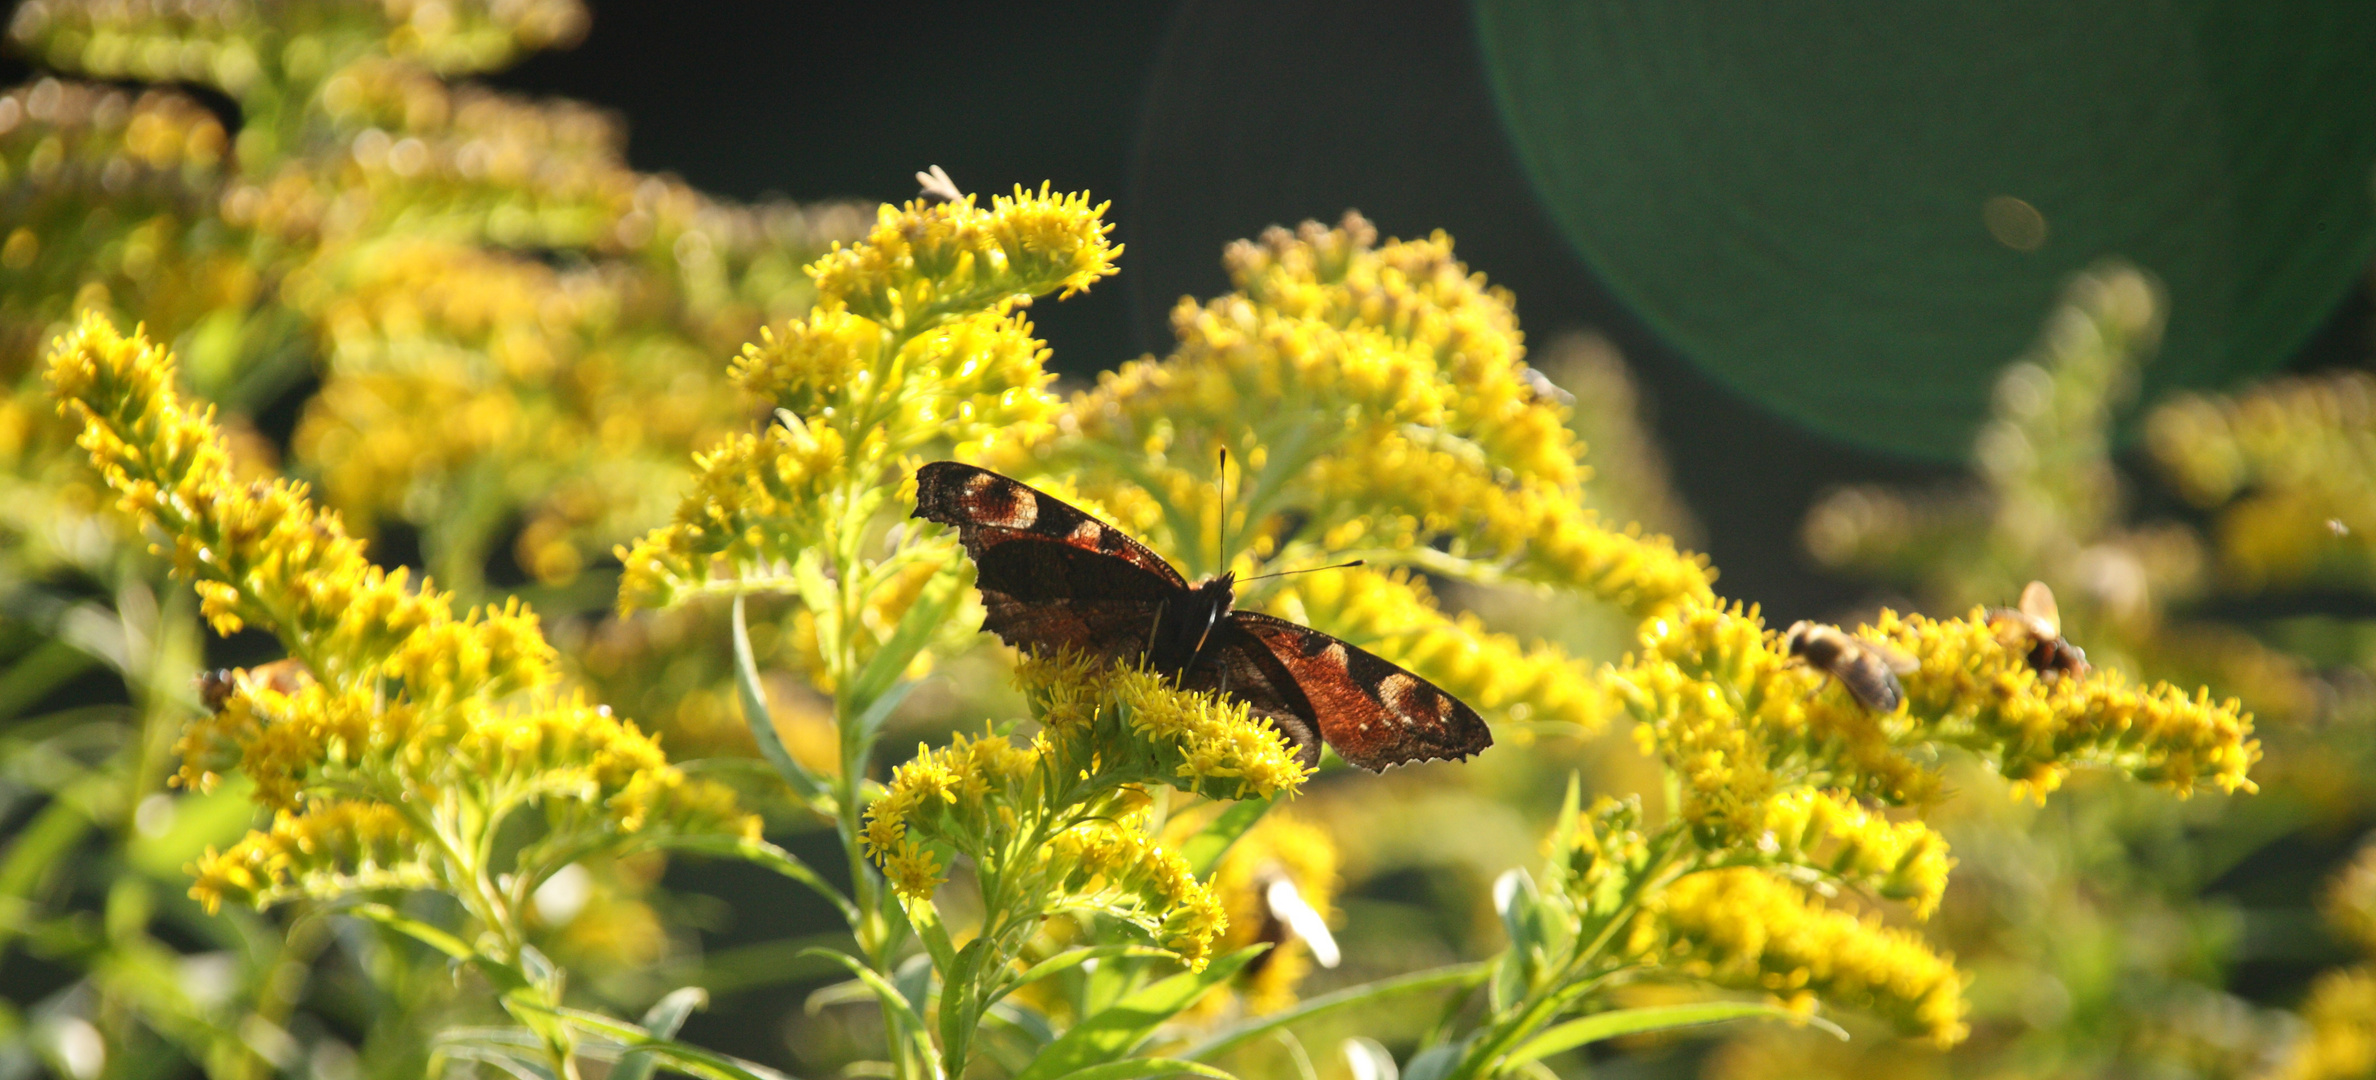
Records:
x=989, y=509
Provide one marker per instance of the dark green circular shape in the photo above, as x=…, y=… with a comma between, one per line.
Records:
x=1856, y=214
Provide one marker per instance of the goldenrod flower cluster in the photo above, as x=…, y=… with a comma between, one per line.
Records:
x=1729, y=708
x=413, y=724
x=1743, y=928
x=1375, y=401
x=371, y=227
x=1783, y=775
x=1375, y=397
x=915, y=340
x=1059, y=824
x=218, y=44
x=2286, y=469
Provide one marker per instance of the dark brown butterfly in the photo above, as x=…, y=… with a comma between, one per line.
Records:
x=1055, y=579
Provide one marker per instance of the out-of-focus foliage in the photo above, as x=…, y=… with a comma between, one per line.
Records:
x=493, y=336
x=2134, y=919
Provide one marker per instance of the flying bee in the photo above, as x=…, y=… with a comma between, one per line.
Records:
x=2035, y=630
x=283, y=676
x=1868, y=669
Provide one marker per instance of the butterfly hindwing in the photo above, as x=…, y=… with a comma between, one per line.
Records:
x=1373, y=712
x=1240, y=664
x=1043, y=596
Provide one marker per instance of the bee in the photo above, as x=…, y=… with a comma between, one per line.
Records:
x=1868, y=669
x=284, y=676
x=2035, y=629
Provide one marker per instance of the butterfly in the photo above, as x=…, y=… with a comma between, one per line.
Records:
x=1056, y=579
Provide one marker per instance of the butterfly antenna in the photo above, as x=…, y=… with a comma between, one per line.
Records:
x=1308, y=570
x=1221, y=526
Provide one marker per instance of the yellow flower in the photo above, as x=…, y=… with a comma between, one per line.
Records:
x=1822, y=830
x=928, y=261
x=1207, y=743
x=1744, y=929
x=332, y=850
x=1721, y=700
x=1115, y=868
x=2285, y=467
x=914, y=342
x=1375, y=400
x=448, y=719
x=2341, y=1041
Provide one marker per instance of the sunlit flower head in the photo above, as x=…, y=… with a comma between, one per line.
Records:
x=407, y=709
x=1745, y=929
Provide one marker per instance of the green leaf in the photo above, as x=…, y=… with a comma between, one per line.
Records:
x=1107, y=1036
x=1072, y=958
x=1204, y=850
x=923, y=619
x=1610, y=1025
x=636, y=1042
x=422, y=932
x=517, y=1065
x=662, y=1020
x=1435, y=1062
x=769, y=856
x=895, y=1004
x=805, y=785
x=1460, y=975
x=1146, y=1067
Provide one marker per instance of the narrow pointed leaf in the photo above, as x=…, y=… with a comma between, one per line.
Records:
x=805, y=784
x=1460, y=975
x=1109, y=1035
x=1136, y=1068
x=1610, y=1025
x=662, y=1020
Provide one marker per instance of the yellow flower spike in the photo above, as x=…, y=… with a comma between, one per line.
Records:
x=325, y=852
x=1826, y=831
x=406, y=704
x=1704, y=673
x=2280, y=465
x=1413, y=420
x=925, y=261
x=1113, y=868
x=1974, y=692
x=1744, y=929
x=1211, y=745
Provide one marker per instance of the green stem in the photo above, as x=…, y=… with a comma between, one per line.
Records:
x=1544, y=1004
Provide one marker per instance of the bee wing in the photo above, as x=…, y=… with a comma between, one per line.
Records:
x=2037, y=602
x=1898, y=660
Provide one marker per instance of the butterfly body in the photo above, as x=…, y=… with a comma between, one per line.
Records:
x=1053, y=579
